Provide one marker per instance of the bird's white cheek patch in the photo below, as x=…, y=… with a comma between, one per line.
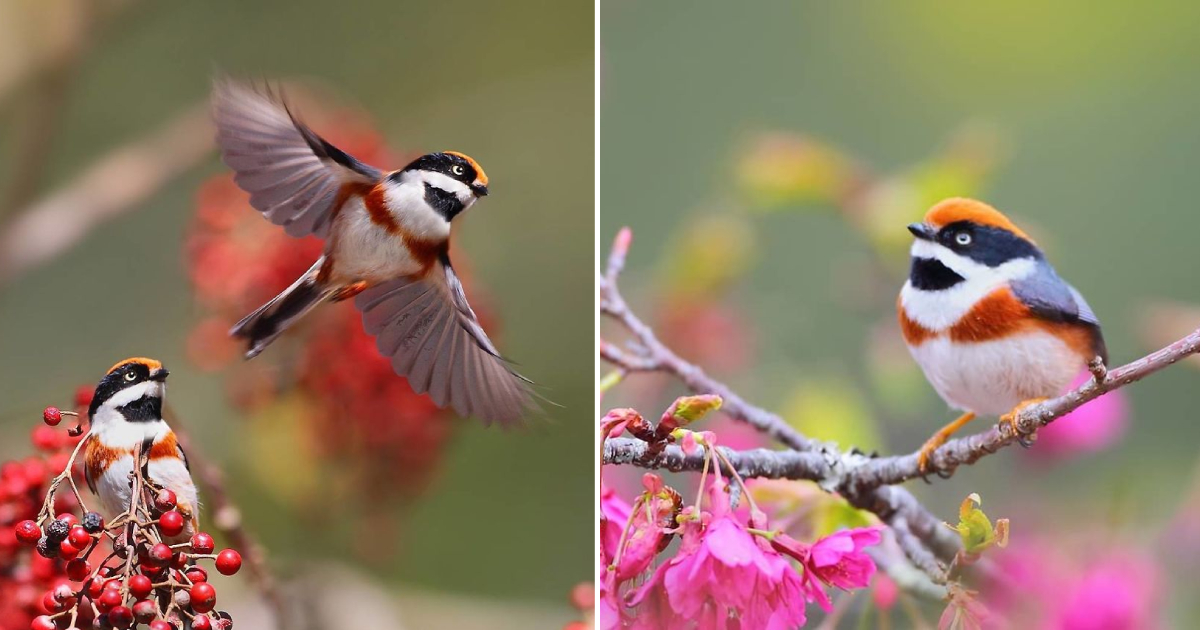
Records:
x=406, y=201
x=939, y=310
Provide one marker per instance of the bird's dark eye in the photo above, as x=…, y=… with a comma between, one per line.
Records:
x=962, y=238
x=457, y=169
x=129, y=376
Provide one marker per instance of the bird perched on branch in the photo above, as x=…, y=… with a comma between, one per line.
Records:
x=387, y=240
x=985, y=315
x=126, y=416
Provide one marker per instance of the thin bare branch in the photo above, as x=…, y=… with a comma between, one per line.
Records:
x=115, y=184
x=889, y=503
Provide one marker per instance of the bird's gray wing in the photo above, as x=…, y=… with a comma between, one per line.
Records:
x=294, y=176
x=1050, y=297
x=431, y=334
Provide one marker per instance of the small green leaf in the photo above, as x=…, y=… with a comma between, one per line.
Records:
x=688, y=409
x=976, y=528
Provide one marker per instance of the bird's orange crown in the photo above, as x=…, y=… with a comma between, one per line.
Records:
x=150, y=364
x=479, y=174
x=958, y=209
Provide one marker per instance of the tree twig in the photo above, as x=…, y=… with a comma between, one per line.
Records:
x=866, y=482
x=889, y=503
x=113, y=185
x=227, y=518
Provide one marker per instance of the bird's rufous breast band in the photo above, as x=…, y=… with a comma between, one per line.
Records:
x=479, y=174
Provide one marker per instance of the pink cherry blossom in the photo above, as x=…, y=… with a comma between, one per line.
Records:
x=837, y=560
x=722, y=569
x=1118, y=593
x=1092, y=427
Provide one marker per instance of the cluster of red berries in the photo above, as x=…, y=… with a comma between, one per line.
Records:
x=356, y=408
x=159, y=585
x=24, y=576
x=74, y=572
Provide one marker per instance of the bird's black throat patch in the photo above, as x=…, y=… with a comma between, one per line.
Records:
x=929, y=274
x=145, y=409
x=444, y=202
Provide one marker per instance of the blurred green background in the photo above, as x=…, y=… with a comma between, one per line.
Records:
x=509, y=516
x=1089, y=111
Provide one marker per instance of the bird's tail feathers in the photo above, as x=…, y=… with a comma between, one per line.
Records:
x=269, y=321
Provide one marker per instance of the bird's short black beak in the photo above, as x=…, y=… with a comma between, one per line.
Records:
x=922, y=231
x=479, y=189
x=159, y=375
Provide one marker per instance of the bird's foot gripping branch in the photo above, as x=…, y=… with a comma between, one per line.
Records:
x=914, y=538
x=68, y=567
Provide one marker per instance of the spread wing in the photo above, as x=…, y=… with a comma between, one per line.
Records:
x=292, y=174
x=434, y=339
x=1052, y=299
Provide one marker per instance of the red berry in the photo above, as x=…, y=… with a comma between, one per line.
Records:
x=28, y=532
x=171, y=523
x=110, y=598
x=144, y=611
x=68, y=518
x=67, y=551
x=204, y=597
x=79, y=537
x=84, y=395
x=160, y=554
x=159, y=624
x=120, y=617
x=140, y=586
x=228, y=562
x=201, y=623
x=202, y=543
x=197, y=574
x=45, y=438
x=51, y=604
x=164, y=500
x=52, y=416
x=43, y=622
x=78, y=569
x=95, y=588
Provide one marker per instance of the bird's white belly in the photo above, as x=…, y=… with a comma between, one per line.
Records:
x=992, y=377
x=362, y=250
x=113, y=488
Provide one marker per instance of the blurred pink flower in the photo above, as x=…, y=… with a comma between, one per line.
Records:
x=1097, y=583
x=1118, y=593
x=1093, y=427
x=886, y=592
x=837, y=560
x=614, y=513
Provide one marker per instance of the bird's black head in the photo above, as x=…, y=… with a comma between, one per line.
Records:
x=456, y=166
x=986, y=244
x=135, y=386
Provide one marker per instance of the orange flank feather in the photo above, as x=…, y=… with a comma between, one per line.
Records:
x=914, y=333
x=377, y=208
x=958, y=209
x=97, y=457
x=424, y=251
x=151, y=364
x=479, y=174
x=998, y=315
x=166, y=446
